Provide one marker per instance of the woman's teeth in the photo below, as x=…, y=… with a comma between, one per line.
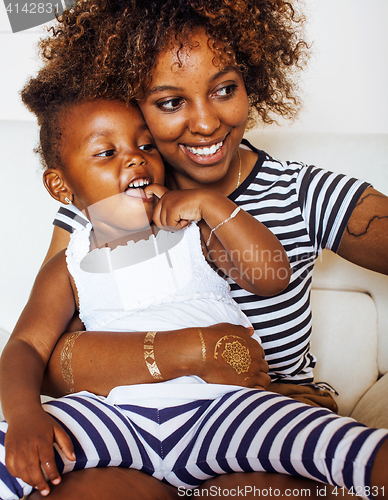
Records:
x=139, y=183
x=206, y=151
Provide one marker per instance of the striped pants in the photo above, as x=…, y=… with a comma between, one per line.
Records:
x=244, y=430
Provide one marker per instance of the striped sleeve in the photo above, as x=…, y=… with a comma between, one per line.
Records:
x=70, y=218
x=327, y=201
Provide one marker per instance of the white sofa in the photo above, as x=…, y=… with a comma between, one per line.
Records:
x=350, y=305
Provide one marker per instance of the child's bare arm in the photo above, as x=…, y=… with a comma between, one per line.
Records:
x=31, y=432
x=238, y=244
x=243, y=248
x=59, y=241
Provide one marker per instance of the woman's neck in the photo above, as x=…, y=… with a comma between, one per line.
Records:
x=229, y=183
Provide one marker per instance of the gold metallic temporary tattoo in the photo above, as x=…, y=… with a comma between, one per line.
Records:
x=149, y=354
x=203, y=345
x=235, y=354
x=66, y=357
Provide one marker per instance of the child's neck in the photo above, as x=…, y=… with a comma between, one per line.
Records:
x=112, y=238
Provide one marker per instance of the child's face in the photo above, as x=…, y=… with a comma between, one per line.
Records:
x=196, y=113
x=107, y=151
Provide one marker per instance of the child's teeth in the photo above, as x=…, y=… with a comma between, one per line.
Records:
x=138, y=183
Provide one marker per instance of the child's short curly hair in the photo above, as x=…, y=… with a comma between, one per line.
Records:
x=116, y=44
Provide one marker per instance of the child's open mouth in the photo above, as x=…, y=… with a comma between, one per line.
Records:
x=135, y=189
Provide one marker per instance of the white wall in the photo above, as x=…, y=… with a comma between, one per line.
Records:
x=344, y=87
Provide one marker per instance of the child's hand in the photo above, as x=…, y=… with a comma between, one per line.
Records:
x=176, y=209
x=29, y=449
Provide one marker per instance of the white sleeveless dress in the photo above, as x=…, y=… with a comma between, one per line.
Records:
x=160, y=284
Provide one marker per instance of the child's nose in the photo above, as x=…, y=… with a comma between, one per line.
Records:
x=135, y=160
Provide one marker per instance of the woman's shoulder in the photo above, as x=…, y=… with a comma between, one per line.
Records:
x=264, y=158
x=264, y=171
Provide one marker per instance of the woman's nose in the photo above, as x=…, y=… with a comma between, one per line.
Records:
x=203, y=120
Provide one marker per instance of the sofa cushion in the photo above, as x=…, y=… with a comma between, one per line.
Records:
x=345, y=342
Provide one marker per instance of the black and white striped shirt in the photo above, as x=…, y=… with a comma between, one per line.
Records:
x=307, y=208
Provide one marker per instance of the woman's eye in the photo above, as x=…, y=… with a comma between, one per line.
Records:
x=170, y=104
x=147, y=147
x=227, y=91
x=105, y=154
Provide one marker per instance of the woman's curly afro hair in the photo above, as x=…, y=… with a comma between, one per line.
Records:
x=108, y=48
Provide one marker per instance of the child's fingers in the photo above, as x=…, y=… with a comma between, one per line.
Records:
x=64, y=442
x=157, y=189
x=49, y=467
x=29, y=470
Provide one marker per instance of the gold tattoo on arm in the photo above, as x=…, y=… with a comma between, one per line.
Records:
x=235, y=354
x=203, y=346
x=66, y=357
x=149, y=354
x=369, y=222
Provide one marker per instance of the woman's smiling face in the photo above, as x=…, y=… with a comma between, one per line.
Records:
x=197, y=113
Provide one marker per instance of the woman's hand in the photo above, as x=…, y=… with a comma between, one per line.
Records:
x=29, y=448
x=233, y=357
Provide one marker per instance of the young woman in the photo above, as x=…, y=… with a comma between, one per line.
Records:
x=200, y=70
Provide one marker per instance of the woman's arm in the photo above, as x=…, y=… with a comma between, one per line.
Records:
x=365, y=240
x=101, y=361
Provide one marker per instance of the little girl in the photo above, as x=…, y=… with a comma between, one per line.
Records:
x=124, y=274
x=181, y=431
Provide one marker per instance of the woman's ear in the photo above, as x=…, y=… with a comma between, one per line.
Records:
x=56, y=185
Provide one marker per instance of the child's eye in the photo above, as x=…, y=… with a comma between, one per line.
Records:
x=170, y=104
x=147, y=147
x=104, y=154
x=227, y=91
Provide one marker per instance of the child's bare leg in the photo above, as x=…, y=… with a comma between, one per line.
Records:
x=112, y=483
x=109, y=483
x=379, y=474
x=255, y=485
